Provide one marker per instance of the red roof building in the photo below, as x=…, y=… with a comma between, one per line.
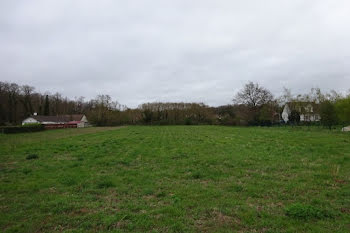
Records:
x=59, y=121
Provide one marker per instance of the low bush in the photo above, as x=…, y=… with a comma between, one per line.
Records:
x=22, y=129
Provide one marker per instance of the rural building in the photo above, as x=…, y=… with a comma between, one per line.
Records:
x=59, y=121
x=308, y=111
x=346, y=129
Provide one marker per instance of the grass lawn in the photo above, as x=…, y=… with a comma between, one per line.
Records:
x=175, y=179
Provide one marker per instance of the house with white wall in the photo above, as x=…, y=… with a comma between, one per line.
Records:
x=59, y=121
x=308, y=111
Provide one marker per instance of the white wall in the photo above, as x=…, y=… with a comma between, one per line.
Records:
x=29, y=120
x=84, y=119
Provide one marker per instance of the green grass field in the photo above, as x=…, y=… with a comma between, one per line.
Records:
x=175, y=179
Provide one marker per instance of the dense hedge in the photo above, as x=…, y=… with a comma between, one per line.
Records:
x=22, y=129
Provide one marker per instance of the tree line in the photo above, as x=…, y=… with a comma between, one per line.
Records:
x=252, y=105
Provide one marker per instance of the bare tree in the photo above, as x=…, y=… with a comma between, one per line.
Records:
x=286, y=97
x=253, y=95
x=334, y=96
x=14, y=94
x=27, y=99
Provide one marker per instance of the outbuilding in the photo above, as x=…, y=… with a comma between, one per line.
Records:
x=59, y=121
x=346, y=129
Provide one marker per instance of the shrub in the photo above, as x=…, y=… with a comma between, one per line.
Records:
x=328, y=114
x=294, y=117
x=342, y=108
x=188, y=121
x=22, y=129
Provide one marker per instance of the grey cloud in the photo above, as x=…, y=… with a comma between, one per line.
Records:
x=156, y=50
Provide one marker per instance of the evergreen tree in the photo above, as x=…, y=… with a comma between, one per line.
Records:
x=294, y=117
x=328, y=114
x=47, y=106
x=342, y=107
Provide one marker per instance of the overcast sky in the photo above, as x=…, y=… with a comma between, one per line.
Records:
x=174, y=50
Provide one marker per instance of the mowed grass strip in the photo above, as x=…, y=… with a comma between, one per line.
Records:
x=176, y=179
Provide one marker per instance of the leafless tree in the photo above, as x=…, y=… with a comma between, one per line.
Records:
x=27, y=99
x=253, y=95
x=286, y=97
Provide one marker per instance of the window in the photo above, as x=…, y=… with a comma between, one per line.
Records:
x=309, y=108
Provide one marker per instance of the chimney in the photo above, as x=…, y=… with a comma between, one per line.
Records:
x=35, y=114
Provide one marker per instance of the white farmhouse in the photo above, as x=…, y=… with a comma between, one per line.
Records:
x=346, y=129
x=60, y=121
x=308, y=111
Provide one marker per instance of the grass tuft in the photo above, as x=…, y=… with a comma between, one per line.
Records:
x=301, y=211
x=32, y=156
x=104, y=183
x=197, y=175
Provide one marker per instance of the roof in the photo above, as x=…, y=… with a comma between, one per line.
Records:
x=74, y=122
x=58, y=118
x=303, y=104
